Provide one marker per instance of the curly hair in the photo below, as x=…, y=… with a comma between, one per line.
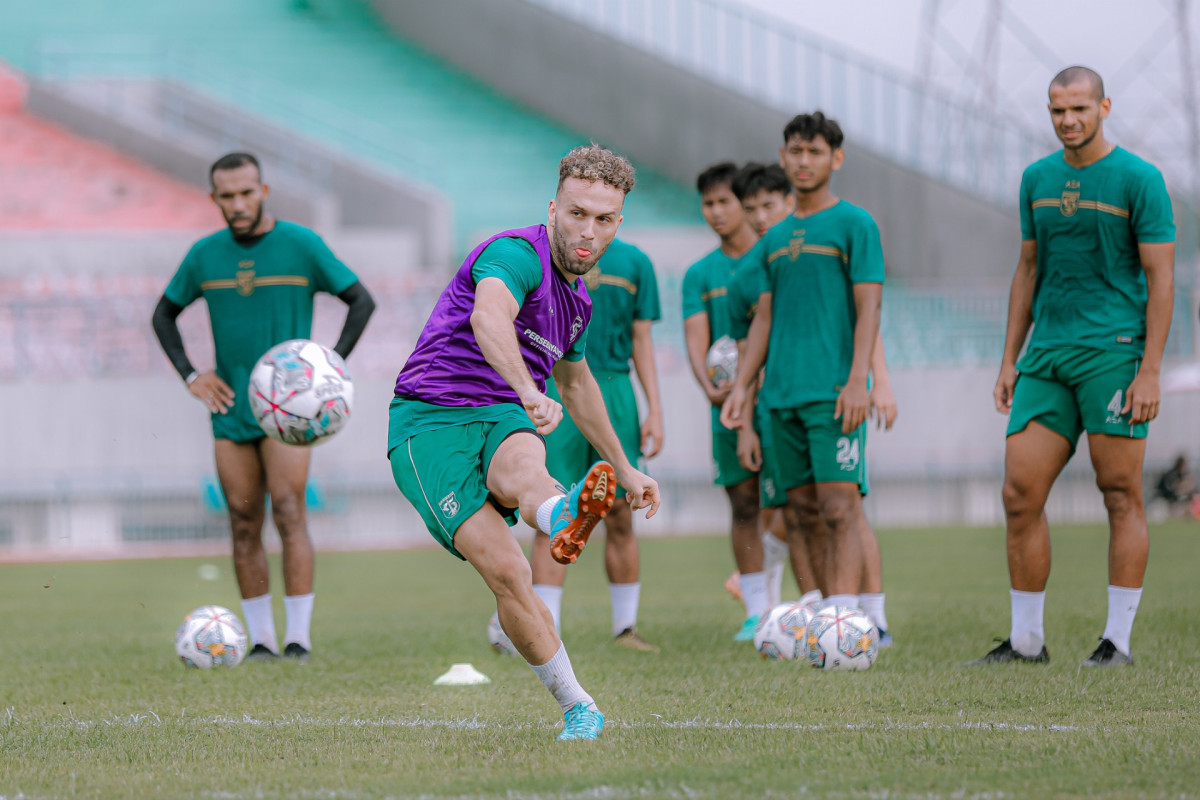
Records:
x=591, y=162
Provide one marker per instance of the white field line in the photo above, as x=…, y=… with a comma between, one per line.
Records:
x=150, y=719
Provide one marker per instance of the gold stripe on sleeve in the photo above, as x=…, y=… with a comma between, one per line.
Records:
x=618, y=281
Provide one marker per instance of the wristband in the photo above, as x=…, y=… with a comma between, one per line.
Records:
x=190, y=379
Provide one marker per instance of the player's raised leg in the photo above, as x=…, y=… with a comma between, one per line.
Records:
x=1033, y=458
x=517, y=477
x=286, y=470
x=1118, y=463
x=243, y=481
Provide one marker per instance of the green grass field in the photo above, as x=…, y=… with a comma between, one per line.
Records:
x=94, y=704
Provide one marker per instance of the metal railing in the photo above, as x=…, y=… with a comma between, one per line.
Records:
x=880, y=108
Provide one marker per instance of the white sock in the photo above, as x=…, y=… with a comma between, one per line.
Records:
x=813, y=598
x=299, y=618
x=260, y=622
x=552, y=596
x=625, y=597
x=774, y=552
x=774, y=585
x=846, y=600
x=872, y=605
x=754, y=593
x=1122, y=608
x=545, y=513
x=1027, y=636
x=558, y=676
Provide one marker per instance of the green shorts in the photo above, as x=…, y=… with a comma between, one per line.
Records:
x=569, y=454
x=239, y=425
x=443, y=472
x=772, y=496
x=1075, y=389
x=729, y=470
x=810, y=448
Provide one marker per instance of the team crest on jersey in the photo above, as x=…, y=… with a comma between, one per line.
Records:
x=449, y=505
x=245, y=281
x=796, y=245
x=576, y=327
x=1068, y=204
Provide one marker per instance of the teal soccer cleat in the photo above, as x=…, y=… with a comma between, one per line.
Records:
x=581, y=722
x=746, y=632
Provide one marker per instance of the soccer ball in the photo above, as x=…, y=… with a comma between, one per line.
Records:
x=301, y=392
x=722, y=361
x=498, y=639
x=841, y=638
x=781, y=632
x=211, y=636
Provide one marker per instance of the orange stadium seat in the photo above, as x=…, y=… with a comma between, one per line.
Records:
x=57, y=181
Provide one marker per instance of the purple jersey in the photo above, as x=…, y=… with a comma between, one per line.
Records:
x=447, y=367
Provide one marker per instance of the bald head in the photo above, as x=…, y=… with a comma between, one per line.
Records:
x=1073, y=75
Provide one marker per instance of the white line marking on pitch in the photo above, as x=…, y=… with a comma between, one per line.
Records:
x=150, y=718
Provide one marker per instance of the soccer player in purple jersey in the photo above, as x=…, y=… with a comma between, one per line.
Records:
x=466, y=425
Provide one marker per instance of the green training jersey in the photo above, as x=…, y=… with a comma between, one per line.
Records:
x=623, y=289
x=706, y=290
x=810, y=265
x=744, y=290
x=258, y=295
x=1088, y=222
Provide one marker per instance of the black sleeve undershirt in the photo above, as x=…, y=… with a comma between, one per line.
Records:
x=167, y=330
x=361, y=306
x=166, y=327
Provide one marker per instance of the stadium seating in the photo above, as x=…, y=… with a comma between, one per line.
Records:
x=332, y=71
x=56, y=181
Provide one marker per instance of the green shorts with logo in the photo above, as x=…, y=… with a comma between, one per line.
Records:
x=1075, y=389
x=569, y=454
x=810, y=448
x=772, y=496
x=442, y=467
x=728, y=468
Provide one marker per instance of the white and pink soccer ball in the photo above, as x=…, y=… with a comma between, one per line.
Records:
x=780, y=633
x=301, y=392
x=841, y=638
x=211, y=636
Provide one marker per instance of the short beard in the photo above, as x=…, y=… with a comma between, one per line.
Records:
x=250, y=234
x=1082, y=144
x=559, y=252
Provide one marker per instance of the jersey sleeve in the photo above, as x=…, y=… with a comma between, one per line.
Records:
x=1025, y=205
x=647, y=302
x=329, y=273
x=1150, y=214
x=693, y=290
x=184, y=288
x=866, y=252
x=748, y=284
x=512, y=260
x=575, y=352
